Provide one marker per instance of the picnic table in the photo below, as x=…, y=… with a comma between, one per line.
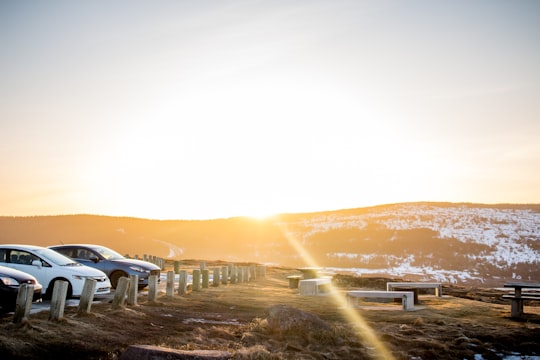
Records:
x=519, y=296
x=310, y=272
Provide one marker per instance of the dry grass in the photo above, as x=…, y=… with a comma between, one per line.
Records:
x=233, y=318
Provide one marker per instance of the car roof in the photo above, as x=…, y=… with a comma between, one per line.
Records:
x=22, y=246
x=81, y=245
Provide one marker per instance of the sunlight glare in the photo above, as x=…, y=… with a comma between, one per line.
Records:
x=261, y=215
x=355, y=319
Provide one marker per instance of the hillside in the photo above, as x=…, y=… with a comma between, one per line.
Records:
x=453, y=243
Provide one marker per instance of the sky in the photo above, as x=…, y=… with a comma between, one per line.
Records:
x=214, y=109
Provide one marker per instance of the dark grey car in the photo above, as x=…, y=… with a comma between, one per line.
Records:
x=109, y=261
x=10, y=282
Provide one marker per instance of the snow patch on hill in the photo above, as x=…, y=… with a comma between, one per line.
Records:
x=511, y=235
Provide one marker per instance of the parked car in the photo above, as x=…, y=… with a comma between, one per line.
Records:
x=48, y=266
x=10, y=282
x=110, y=262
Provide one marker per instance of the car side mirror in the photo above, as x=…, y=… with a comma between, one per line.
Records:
x=94, y=259
x=36, y=263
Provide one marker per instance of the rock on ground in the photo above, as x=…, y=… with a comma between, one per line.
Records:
x=148, y=352
x=283, y=319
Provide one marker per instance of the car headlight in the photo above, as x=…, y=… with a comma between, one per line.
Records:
x=8, y=281
x=137, y=268
x=84, y=277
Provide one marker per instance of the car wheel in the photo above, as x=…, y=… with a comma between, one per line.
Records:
x=50, y=289
x=115, y=276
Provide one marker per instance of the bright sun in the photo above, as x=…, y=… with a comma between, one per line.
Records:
x=261, y=215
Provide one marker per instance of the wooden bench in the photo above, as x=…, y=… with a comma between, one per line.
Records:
x=420, y=285
x=314, y=286
x=518, y=297
x=406, y=296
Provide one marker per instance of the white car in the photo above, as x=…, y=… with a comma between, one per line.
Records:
x=48, y=266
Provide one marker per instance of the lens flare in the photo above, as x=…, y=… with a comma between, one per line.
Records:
x=363, y=330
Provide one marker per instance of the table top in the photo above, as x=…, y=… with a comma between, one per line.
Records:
x=523, y=285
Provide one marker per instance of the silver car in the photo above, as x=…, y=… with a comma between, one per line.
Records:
x=110, y=262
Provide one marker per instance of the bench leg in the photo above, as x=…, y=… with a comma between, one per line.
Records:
x=408, y=302
x=517, y=308
x=352, y=301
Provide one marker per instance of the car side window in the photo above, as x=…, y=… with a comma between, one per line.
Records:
x=84, y=254
x=3, y=255
x=65, y=252
x=22, y=257
x=25, y=258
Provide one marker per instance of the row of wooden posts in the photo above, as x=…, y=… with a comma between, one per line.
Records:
x=152, y=259
x=127, y=288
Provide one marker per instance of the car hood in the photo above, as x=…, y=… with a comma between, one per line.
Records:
x=144, y=264
x=84, y=270
x=16, y=274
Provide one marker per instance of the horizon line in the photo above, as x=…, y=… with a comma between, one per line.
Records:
x=498, y=204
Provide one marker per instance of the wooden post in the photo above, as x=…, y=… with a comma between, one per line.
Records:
x=225, y=275
x=145, y=257
x=170, y=284
x=136, y=257
x=24, y=303
x=87, y=295
x=233, y=274
x=119, y=299
x=58, y=300
x=182, y=282
x=252, y=272
x=261, y=271
x=203, y=265
x=152, y=287
x=215, y=280
x=240, y=274
x=133, y=289
x=177, y=267
x=205, y=278
x=196, y=280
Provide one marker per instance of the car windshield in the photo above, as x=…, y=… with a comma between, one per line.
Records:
x=108, y=253
x=55, y=257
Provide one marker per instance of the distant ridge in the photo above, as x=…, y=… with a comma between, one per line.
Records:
x=531, y=206
x=452, y=242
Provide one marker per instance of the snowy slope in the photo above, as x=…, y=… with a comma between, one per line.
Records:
x=496, y=242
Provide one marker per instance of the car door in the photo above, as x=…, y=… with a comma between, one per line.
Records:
x=86, y=256
x=31, y=264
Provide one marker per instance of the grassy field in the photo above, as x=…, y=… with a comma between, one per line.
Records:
x=242, y=319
